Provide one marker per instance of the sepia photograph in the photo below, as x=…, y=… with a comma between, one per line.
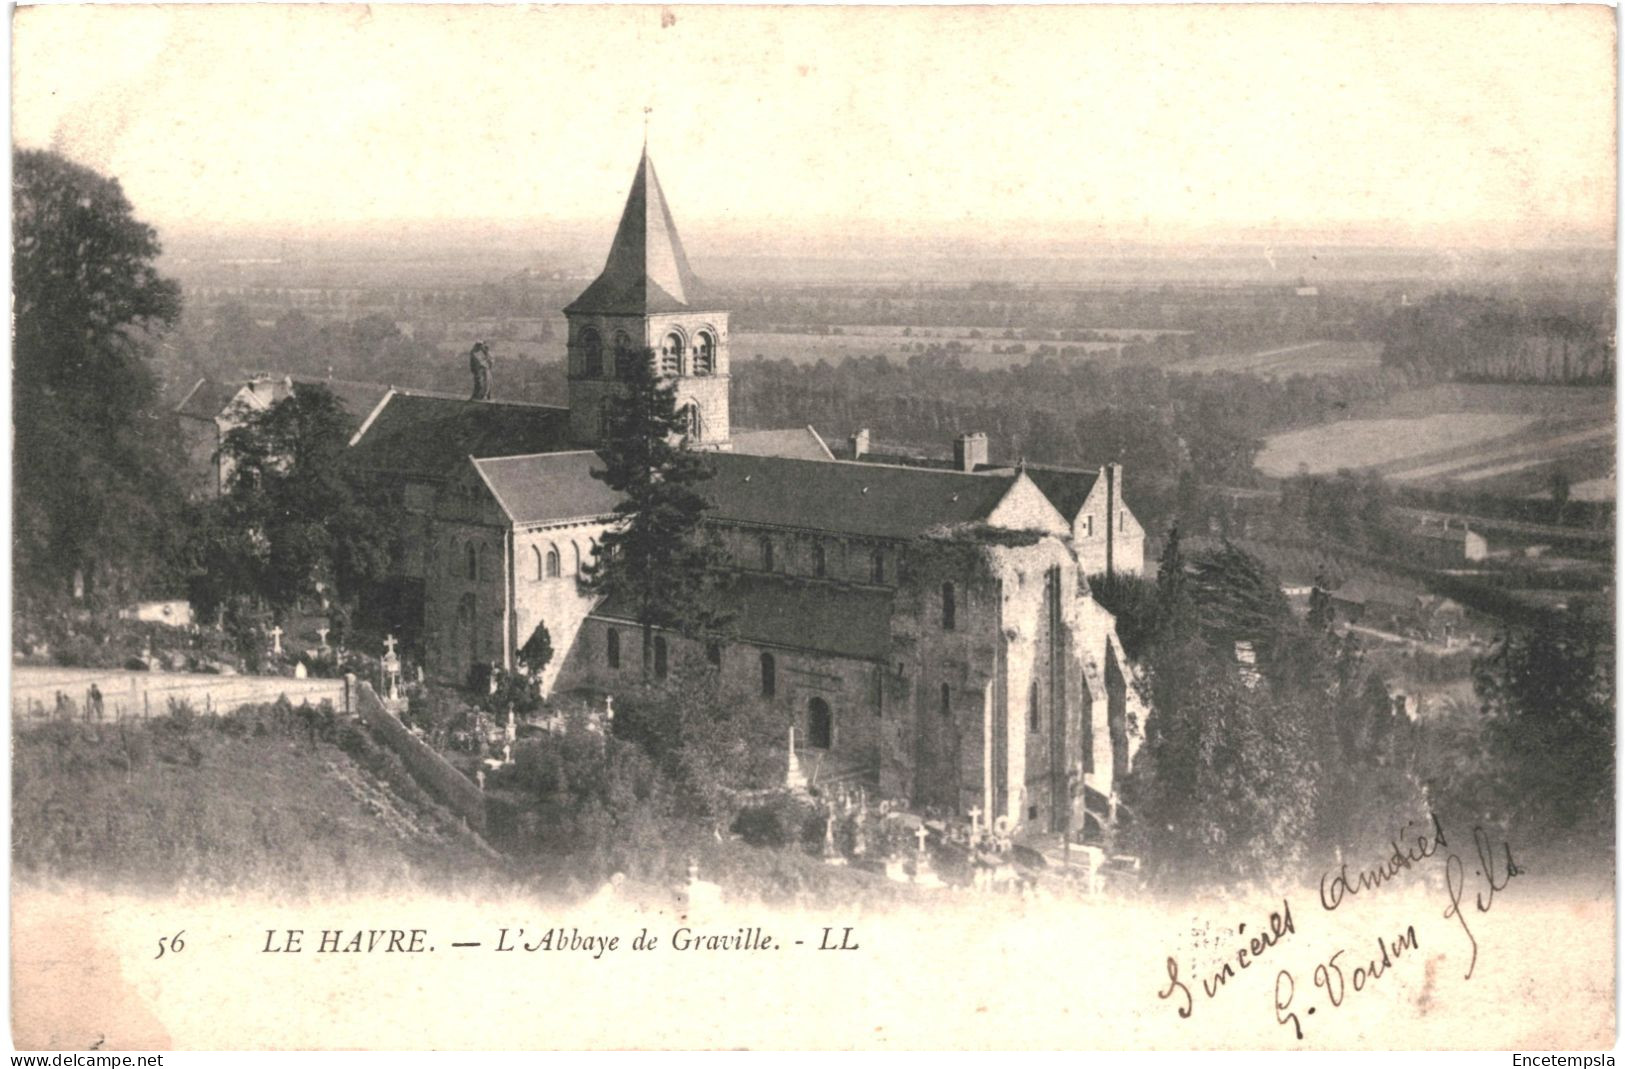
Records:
x=889, y=528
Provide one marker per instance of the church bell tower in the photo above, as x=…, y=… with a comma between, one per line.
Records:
x=646, y=298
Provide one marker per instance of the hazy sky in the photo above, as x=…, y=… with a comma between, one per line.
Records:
x=1479, y=123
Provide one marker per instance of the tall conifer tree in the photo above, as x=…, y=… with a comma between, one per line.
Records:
x=657, y=558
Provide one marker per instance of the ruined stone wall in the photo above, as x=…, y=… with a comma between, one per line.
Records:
x=1028, y=722
x=862, y=716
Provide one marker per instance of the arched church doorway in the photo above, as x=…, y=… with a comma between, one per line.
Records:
x=820, y=724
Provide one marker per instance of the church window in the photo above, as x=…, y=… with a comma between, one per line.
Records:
x=552, y=562
x=1089, y=526
x=575, y=559
x=1032, y=812
x=623, y=356
x=612, y=648
x=877, y=567
x=820, y=724
x=660, y=657
x=592, y=353
x=454, y=559
x=691, y=420
x=1122, y=521
x=472, y=562
x=820, y=562
x=484, y=569
x=767, y=554
x=770, y=683
x=1032, y=706
x=705, y=353
x=536, y=562
x=671, y=354
x=947, y=701
x=948, y=606
x=604, y=417
x=713, y=653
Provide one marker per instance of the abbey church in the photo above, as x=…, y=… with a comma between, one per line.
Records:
x=927, y=627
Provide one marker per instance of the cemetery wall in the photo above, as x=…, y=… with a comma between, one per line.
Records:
x=436, y=775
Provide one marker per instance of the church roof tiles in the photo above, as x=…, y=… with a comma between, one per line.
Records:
x=799, y=443
x=857, y=499
x=647, y=270
x=426, y=436
x=548, y=487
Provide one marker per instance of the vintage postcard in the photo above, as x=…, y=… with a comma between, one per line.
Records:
x=1081, y=527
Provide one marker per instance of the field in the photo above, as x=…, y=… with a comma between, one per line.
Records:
x=897, y=346
x=208, y=807
x=1372, y=443
x=1504, y=440
x=1308, y=358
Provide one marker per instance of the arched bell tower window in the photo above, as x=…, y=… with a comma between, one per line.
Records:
x=553, y=562
x=671, y=354
x=592, y=353
x=624, y=355
x=705, y=353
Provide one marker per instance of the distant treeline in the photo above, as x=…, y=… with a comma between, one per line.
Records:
x=1484, y=339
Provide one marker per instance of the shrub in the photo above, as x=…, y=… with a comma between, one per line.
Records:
x=780, y=820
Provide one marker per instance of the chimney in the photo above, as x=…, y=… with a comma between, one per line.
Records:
x=970, y=450
x=860, y=444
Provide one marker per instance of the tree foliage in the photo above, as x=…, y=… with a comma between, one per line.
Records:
x=294, y=520
x=94, y=486
x=537, y=652
x=1547, y=694
x=657, y=557
x=710, y=743
x=1248, y=769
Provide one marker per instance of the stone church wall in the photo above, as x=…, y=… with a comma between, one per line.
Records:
x=853, y=689
x=558, y=601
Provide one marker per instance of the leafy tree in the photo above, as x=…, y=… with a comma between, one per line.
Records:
x=1237, y=598
x=94, y=485
x=1226, y=784
x=1133, y=601
x=710, y=743
x=656, y=557
x=537, y=652
x=1548, y=698
x=294, y=516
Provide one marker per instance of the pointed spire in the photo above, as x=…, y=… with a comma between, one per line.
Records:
x=647, y=270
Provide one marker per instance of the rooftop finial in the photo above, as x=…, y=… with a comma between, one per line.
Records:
x=646, y=110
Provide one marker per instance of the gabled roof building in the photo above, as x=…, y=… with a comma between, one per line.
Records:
x=928, y=630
